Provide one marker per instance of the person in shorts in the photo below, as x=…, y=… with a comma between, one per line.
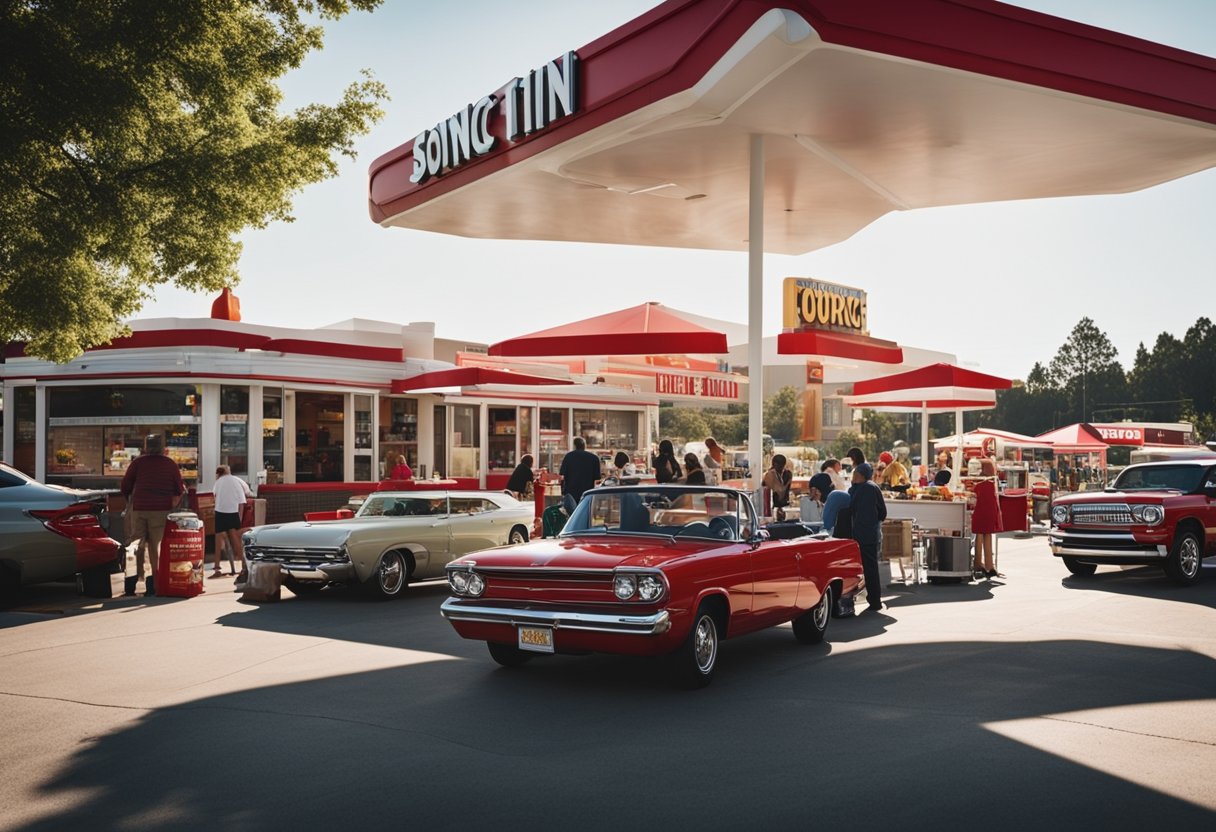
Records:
x=230, y=495
x=152, y=485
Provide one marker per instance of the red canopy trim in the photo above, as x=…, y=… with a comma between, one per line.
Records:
x=1078, y=438
x=840, y=345
x=468, y=377
x=647, y=329
x=934, y=375
x=331, y=349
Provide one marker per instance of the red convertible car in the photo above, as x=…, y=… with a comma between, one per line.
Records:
x=649, y=570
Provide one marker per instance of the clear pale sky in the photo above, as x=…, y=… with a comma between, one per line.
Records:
x=1137, y=263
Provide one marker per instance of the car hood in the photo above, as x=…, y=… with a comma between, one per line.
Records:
x=305, y=534
x=591, y=553
x=1090, y=497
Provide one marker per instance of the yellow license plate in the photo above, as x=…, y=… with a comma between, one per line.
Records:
x=536, y=639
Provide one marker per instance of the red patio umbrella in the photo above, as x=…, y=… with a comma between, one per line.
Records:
x=788, y=125
x=937, y=388
x=646, y=329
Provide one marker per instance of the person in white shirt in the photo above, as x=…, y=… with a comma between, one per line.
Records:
x=230, y=495
x=832, y=467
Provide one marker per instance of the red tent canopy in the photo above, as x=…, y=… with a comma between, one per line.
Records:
x=1080, y=438
x=934, y=375
x=647, y=329
x=469, y=376
x=839, y=345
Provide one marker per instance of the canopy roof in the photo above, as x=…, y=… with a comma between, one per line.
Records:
x=1075, y=439
x=469, y=377
x=932, y=376
x=866, y=106
x=839, y=345
x=647, y=329
x=975, y=438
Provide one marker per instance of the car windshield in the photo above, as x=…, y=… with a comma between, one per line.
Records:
x=676, y=512
x=390, y=505
x=1185, y=478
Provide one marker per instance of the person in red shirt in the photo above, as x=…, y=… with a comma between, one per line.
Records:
x=401, y=471
x=153, y=486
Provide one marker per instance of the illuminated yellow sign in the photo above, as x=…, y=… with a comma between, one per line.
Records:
x=813, y=304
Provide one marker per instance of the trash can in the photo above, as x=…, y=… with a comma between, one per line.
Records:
x=947, y=559
x=179, y=573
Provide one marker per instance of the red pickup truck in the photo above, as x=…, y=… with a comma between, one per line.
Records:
x=1160, y=513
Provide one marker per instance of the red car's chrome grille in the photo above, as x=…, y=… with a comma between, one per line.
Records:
x=559, y=586
x=1109, y=514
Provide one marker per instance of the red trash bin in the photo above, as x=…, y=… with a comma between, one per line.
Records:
x=179, y=573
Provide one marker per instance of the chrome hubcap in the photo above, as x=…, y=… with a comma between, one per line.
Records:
x=516, y=537
x=391, y=572
x=820, y=614
x=1188, y=556
x=705, y=643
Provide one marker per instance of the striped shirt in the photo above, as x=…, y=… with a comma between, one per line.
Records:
x=153, y=482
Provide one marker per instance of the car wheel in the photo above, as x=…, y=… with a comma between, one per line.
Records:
x=697, y=657
x=1185, y=559
x=812, y=625
x=303, y=587
x=508, y=655
x=95, y=582
x=390, y=576
x=518, y=535
x=1080, y=568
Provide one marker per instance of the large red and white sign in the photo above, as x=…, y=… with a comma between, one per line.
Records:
x=1119, y=435
x=706, y=387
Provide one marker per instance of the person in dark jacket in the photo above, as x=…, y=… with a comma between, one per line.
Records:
x=868, y=510
x=666, y=468
x=580, y=469
x=521, y=477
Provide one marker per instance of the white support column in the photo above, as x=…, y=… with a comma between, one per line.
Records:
x=426, y=433
x=483, y=453
x=253, y=435
x=755, y=313
x=289, y=436
x=924, y=439
x=40, y=438
x=208, y=437
x=348, y=437
x=956, y=471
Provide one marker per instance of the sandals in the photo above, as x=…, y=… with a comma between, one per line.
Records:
x=216, y=574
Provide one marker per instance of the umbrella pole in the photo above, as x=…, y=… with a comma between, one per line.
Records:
x=755, y=315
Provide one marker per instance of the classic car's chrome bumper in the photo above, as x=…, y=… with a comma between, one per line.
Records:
x=318, y=571
x=1104, y=545
x=654, y=624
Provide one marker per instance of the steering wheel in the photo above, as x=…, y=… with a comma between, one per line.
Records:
x=721, y=528
x=698, y=528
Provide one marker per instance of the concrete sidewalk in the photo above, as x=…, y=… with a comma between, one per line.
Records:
x=1039, y=700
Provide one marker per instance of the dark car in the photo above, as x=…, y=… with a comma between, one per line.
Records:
x=50, y=533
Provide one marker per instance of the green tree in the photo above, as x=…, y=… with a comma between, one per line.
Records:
x=682, y=424
x=140, y=137
x=1086, y=364
x=782, y=415
x=845, y=439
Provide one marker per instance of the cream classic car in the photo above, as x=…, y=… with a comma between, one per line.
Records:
x=394, y=538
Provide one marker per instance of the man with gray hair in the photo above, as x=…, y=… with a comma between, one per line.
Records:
x=580, y=469
x=152, y=485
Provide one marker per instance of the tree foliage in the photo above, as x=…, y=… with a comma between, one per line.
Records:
x=1173, y=381
x=140, y=138
x=783, y=415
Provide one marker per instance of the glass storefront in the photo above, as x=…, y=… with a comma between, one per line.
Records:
x=24, y=429
x=363, y=438
x=272, y=435
x=319, y=436
x=465, y=456
x=398, y=433
x=504, y=427
x=554, y=438
x=94, y=432
x=234, y=429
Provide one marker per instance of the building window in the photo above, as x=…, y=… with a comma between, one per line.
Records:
x=466, y=441
x=272, y=435
x=319, y=442
x=234, y=429
x=833, y=412
x=398, y=433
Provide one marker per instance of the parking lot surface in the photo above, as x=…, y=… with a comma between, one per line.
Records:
x=1037, y=700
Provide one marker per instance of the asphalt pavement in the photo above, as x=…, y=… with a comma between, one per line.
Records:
x=1037, y=700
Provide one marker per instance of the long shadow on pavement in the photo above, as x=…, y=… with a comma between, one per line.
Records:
x=1149, y=582
x=785, y=737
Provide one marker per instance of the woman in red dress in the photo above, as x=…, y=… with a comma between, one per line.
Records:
x=986, y=520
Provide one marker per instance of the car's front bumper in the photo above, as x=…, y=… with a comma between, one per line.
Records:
x=1101, y=546
x=461, y=610
x=335, y=572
